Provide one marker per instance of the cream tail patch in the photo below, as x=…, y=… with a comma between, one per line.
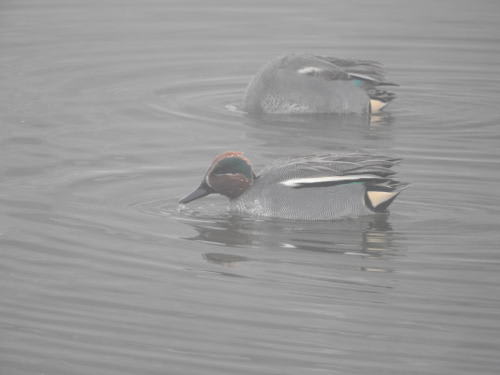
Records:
x=377, y=105
x=377, y=198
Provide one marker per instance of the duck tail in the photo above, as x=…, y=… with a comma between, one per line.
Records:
x=379, y=99
x=378, y=197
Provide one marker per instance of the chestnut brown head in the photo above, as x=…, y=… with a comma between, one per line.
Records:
x=230, y=174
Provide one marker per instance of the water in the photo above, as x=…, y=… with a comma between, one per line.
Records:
x=110, y=111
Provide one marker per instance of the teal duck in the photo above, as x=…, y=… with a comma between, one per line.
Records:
x=313, y=187
x=303, y=83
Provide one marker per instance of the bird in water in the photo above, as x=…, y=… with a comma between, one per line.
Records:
x=304, y=83
x=313, y=187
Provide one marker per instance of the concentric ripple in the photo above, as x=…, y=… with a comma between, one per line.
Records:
x=213, y=100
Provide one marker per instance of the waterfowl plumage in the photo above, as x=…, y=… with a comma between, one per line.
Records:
x=304, y=83
x=314, y=187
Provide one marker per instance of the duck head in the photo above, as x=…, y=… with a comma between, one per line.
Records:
x=230, y=174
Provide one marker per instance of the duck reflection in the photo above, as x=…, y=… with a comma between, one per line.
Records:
x=227, y=260
x=368, y=236
x=310, y=133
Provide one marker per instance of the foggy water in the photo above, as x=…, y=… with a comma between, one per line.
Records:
x=111, y=111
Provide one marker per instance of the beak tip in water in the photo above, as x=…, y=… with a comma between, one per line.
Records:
x=198, y=193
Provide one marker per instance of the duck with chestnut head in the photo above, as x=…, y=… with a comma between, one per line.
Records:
x=313, y=187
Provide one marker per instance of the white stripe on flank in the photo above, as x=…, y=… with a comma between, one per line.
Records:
x=362, y=76
x=309, y=70
x=294, y=182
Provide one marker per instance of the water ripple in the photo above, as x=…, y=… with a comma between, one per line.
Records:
x=111, y=114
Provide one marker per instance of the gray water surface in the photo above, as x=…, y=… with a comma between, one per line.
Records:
x=110, y=111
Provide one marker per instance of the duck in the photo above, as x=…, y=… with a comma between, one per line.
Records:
x=306, y=83
x=313, y=187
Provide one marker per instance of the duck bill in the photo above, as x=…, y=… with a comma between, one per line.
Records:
x=202, y=191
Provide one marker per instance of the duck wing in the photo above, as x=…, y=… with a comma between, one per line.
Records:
x=369, y=71
x=325, y=170
x=321, y=170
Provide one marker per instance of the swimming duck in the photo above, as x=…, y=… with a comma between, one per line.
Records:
x=303, y=83
x=314, y=187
